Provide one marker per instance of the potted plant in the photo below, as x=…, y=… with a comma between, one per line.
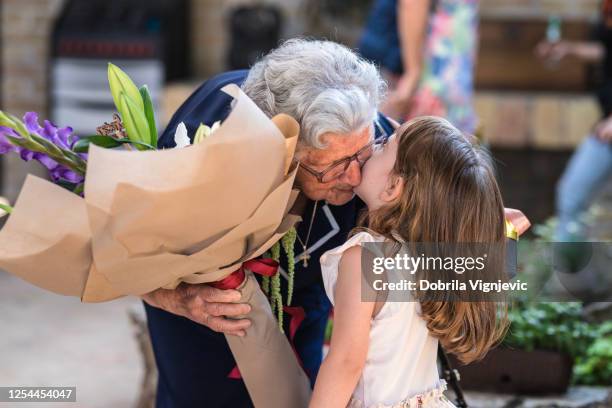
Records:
x=549, y=345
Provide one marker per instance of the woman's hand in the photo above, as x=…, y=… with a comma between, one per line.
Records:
x=204, y=305
x=398, y=101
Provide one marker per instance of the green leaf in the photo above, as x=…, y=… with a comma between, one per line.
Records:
x=50, y=148
x=67, y=185
x=107, y=142
x=7, y=208
x=149, y=114
x=134, y=120
x=79, y=188
x=5, y=120
x=82, y=145
x=26, y=143
x=120, y=82
x=19, y=127
x=144, y=146
x=41, y=145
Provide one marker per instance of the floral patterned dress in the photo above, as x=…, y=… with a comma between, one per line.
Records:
x=446, y=87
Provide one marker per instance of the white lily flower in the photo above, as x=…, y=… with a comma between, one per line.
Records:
x=180, y=136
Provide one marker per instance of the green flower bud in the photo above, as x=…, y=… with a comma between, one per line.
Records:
x=119, y=83
x=134, y=120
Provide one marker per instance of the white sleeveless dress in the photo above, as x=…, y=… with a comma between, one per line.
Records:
x=400, y=369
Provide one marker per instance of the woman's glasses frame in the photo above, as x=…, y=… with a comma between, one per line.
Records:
x=345, y=162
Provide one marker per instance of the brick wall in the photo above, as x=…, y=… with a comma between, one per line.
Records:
x=546, y=121
x=542, y=120
x=26, y=27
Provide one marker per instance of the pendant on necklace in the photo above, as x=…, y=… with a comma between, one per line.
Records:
x=305, y=257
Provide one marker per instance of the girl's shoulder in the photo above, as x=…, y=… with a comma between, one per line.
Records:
x=330, y=260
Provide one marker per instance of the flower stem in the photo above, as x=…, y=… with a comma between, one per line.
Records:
x=7, y=208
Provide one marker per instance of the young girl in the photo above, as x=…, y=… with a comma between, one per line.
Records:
x=427, y=183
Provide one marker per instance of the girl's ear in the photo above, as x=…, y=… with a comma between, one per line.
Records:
x=394, y=188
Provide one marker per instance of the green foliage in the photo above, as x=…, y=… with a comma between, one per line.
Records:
x=149, y=114
x=107, y=142
x=288, y=242
x=561, y=327
x=555, y=326
x=594, y=367
x=272, y=286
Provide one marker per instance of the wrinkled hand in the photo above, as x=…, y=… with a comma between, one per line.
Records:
x=603, y=130
x=204, y=305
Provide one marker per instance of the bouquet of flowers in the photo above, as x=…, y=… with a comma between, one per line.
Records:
x=143, y=219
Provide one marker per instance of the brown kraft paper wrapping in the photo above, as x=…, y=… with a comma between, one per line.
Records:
x=153, y=219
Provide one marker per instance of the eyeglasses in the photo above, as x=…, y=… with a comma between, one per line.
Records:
x=337, y=169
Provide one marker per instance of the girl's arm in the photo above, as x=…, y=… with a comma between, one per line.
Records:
x=348, y=350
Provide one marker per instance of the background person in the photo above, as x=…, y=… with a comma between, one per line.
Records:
x=426, y=50
x=591, y=164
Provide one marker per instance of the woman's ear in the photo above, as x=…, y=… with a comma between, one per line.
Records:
x=394, y=188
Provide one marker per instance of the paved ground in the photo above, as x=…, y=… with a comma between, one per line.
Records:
x=51, y=340
x=576, y=397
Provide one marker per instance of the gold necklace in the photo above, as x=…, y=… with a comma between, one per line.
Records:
x=305, y=255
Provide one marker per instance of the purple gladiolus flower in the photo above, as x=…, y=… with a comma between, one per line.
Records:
x=30, y=119
x=27, y=155
x=5, y=145
x=61, y=137
x=62, y=173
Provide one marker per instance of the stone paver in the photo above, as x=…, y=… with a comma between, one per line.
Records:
x=576, y=397
x=52, y=340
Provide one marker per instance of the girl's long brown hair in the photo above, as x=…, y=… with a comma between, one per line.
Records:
x=449, y=195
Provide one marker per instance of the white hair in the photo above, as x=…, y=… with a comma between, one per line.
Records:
x=325, y=86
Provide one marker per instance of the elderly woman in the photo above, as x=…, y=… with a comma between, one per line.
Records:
x=334, y=95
